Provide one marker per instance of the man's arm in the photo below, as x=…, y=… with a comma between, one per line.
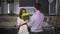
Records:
x=30, y=23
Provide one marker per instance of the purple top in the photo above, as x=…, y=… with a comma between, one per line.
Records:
x=36, y=22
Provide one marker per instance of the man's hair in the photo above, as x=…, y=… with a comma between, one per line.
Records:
x=37, y=6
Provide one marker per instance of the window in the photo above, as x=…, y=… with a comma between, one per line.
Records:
x=29, y=10
x=26, y=3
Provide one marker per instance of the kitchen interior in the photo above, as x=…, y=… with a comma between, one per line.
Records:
x=9, y=10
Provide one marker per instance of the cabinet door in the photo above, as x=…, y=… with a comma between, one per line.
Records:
x=0, y=3
x=52, y=8
x=44, y=6
x=58, y=7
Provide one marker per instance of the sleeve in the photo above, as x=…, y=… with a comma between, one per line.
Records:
x=20, y=21
x=30, y=23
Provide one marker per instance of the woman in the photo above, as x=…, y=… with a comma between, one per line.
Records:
x=22, y=29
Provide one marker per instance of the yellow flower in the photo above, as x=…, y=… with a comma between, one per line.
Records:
x=25, y=14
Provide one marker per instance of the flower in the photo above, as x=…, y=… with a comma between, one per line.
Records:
x=25, y=16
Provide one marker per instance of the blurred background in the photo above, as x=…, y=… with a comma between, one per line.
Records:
x=9, y=10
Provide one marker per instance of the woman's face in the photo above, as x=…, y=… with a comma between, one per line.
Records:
x=23, y=11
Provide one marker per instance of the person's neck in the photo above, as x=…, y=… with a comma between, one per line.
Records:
x=36, y=11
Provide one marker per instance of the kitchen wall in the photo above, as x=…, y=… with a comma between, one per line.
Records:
x=15, y=7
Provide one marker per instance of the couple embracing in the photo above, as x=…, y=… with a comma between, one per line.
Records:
x=30, y=24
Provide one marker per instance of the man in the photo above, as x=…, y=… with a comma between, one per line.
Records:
x=36, y=21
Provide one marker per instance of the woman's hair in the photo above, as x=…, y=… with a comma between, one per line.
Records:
x=20, y=13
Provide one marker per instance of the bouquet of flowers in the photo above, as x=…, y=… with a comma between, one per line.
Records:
x=25, y=16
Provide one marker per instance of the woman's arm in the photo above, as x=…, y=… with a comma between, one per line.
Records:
x=25, y=23
x=21, y=22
